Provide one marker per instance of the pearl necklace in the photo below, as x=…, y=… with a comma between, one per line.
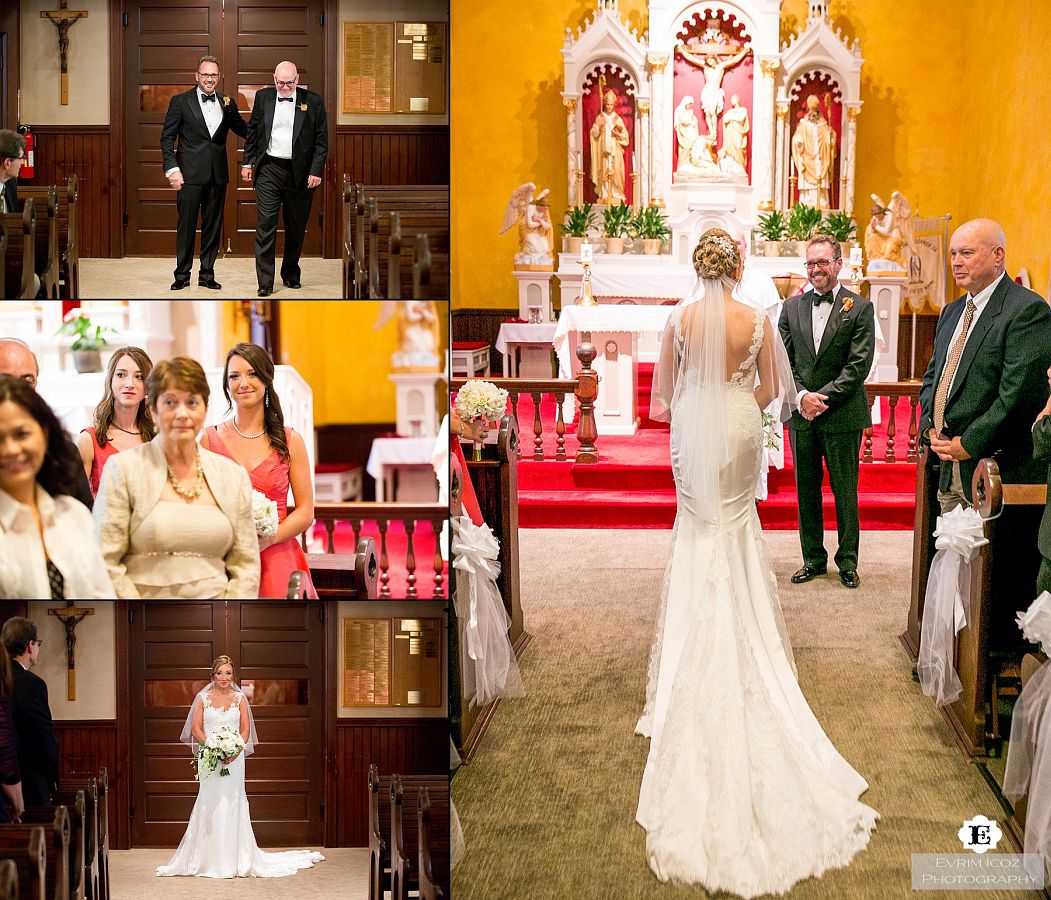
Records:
x=250, y=437
x=188, y=493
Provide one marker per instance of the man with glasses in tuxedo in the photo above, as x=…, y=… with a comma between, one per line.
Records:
x=200, y=119
x=285, y=156
x=830, y=335
x=12, y=155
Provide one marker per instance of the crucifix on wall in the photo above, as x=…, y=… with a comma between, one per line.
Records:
x=64, y=19
x=70, y=617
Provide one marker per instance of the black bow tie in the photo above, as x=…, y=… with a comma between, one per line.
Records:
x=285, y=99
x=824, y=298
x=207, y=97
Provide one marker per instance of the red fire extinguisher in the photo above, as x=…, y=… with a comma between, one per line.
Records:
x=28, y=167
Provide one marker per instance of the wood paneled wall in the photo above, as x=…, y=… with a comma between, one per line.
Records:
x=925, y=327
x=85, y=746
x=405, y=746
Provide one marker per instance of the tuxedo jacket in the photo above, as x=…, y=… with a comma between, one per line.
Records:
x=1000, y=383
x=11, y=193
x=37, y=744
x=840, y=367
x=309, y=133
x=200, y=157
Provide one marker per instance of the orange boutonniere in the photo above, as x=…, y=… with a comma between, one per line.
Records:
x=848, y=303
x=226, y=101
x=303, y=107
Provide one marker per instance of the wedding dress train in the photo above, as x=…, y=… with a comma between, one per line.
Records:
x=742, y=790
x=219, y=841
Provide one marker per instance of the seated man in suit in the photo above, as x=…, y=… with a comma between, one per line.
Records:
x=1042, y=453
x=12, y=155
x=37, y=744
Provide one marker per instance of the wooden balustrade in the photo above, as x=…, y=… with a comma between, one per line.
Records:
x=383, y=514
x=893, y=391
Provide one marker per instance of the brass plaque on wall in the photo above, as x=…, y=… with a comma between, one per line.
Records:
x=417, y=657
x=366, y=662
x=395, y=67
x=392, y=662
x=368, y=66
x=419, y=68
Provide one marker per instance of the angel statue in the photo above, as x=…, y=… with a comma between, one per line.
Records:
x=889, y=233
x=419, y=334
x=536, y=242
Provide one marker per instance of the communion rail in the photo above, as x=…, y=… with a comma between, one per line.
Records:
x=894, y=391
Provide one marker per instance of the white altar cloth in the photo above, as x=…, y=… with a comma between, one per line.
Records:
x=522, y=334
x=640, y=319
x=387, y=454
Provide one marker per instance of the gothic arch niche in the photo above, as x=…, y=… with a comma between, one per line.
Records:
x=617, y=79
x=823, y=85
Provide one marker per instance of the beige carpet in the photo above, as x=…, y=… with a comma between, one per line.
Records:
x=150, y=279
x=548, y=802
x=343, y=874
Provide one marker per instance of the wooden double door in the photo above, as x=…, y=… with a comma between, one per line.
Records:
x=277, y=650
x=163, y=40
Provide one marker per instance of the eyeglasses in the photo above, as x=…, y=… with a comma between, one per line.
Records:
x=818, y=263
x=208, y=74
x=38, y=643
x=286, y=84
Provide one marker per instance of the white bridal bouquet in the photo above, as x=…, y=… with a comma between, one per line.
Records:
x=221, y=745
x=480, y=399
x=264, y=512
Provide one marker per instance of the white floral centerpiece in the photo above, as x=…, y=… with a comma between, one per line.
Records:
x=479, y=399
x=264, y=513
x=220, y=745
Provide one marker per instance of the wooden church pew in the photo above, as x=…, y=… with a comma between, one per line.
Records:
x=47, y=251
x=404, y=825
x=435, y=850
x=66, y=213
x=8, y=880
x=28, y=853
x=56, y=861
x=79, y=847
x=96, y=794
x=20, y=256
x=379, y=830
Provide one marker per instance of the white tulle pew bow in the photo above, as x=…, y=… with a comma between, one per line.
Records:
x=958, y=538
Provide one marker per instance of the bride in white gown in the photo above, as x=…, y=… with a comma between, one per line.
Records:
x=219, y=841
x=742, y=790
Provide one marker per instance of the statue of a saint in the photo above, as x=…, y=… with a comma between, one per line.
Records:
x=714, y=64
x=814, y=153
x=889, y=233
x=698, y=159
x=536, y=241
x=734, y=153
x=609, y=138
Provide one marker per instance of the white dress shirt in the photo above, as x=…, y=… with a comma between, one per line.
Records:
x=281, y=133
x=69, y=536
x=981, y=301
x=213, y=118
x=819, y=319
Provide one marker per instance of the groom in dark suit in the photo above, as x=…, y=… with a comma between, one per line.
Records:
x=200, y=119
x=37, y=744
x=986, y=381
x=285, y=154
x=830, y=336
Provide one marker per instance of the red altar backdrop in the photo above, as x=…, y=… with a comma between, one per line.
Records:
x=688, y=79
x=591, y=106
x=830, y=102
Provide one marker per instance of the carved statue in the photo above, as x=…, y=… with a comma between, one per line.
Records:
x=736, y=126
x=419, y=333
x=609, y=139
x=889, y=233
x=714, y=65
x=536, y=242
x=814, y=154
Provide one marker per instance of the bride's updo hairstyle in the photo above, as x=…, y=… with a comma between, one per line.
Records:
x=716, y=255
x=221, y=661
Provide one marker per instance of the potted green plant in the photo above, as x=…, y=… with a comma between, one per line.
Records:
x=616, y=220
x=88, y=340
x=802, y=221
x=839, y=226
x=652, y=228
x=579, y=221
x=771, y=228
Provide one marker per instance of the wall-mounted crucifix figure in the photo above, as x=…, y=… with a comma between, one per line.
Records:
x=64, y=19
x=70, y=617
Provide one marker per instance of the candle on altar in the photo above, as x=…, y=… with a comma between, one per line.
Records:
x=579, y=164
x=633, y=169
x=855, y=255
x=586, y=253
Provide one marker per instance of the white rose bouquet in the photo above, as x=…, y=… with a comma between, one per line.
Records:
x=264, y=512
x=220, y=745
x=480, y=400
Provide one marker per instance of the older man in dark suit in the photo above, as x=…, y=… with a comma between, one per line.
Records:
x=37, y=744
x=986, y=381
x=285, y=154
x=830, y=336
x=201, y=119
x=12, y=155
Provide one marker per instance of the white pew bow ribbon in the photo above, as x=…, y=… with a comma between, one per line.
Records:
x=959, y=536
x=1035, y=622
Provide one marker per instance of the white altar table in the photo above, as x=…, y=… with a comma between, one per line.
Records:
x=403, y=469
x=532, y=341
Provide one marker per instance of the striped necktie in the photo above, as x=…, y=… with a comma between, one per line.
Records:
x=955, y=352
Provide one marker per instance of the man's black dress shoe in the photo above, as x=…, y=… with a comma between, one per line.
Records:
x=850, y=578
x=291, y=284
x=807, y=573
x=264, y=292
x=178, y=285
x=211, y=284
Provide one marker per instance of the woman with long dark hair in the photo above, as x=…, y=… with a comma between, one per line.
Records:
x=43, y=551
x=122, y=418
x=275, y=458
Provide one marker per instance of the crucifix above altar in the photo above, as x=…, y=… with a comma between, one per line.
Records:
x=63, y=19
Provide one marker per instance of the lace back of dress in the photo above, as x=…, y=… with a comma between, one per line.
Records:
x=745, y=374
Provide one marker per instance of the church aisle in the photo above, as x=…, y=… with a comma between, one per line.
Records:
x=344, y=873
x=548, y=803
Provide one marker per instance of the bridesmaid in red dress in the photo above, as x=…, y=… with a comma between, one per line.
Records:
x=122, y=418
x=275, y=457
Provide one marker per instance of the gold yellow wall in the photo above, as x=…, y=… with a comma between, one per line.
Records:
x=952, y=118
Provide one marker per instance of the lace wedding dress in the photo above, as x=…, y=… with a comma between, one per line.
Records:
x=742, y=790
x=219, y=841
